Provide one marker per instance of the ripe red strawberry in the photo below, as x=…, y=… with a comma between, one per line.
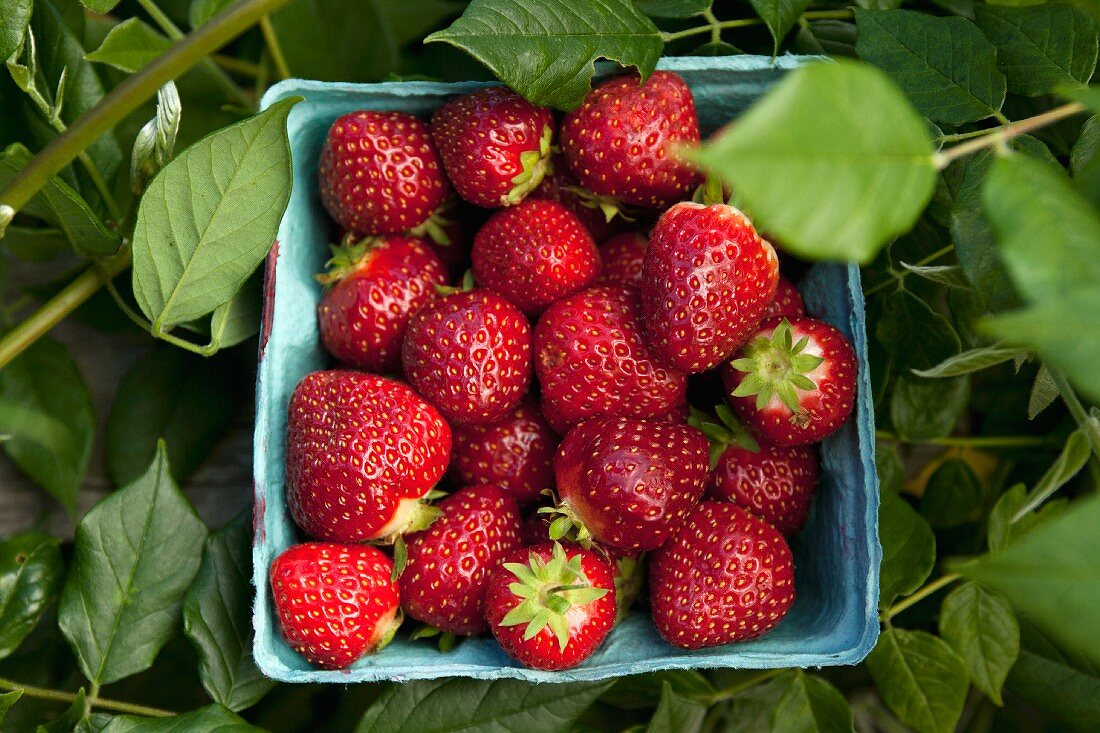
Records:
x=628, y=484
x=591, y=361
x=619, y=143
x=515, y=453
x=469, y=354
x=561, y=185
x=794, y=382
x=725, y=576
x=335, y=603
x=445, y=576
x=622, y=256
x=550, y=606
x=707, y=280
x=376, y=284
x=380, y=173
x=787, y=302
x=535, y=253
x=774, y=483
x=361, y=451
x=495, y=145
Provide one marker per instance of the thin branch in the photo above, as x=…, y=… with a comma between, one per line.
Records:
x=918, y=596
x=974, y=441
x=271, y=40
x=1001, y=135
x=44, y=693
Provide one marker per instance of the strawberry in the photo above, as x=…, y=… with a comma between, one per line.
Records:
x=591, y=361
x=561, y=185
x=787, y=302
x=375, y=285
x=469, y=354
x=725, y=576
x=622, y=256
x=495, y=145
x=380, y=173
x=794, y=382
x=619, y=142
x=708, y=278
x=515, y=453
x=628, y=484
x=361, y=451
x=774, y=483
x=335, y=603
x=550, y=606
x=448, y=565
x=535, y=253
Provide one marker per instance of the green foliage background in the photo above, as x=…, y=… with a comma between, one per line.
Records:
x=951, y=149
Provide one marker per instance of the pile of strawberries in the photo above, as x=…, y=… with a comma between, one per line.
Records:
x=563, y=492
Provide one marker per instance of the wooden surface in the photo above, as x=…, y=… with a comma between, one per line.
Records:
x=219, y=489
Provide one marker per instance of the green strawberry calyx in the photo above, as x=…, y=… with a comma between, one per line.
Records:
x=728, y=431
x=566, y=523
x=608, y=205
x=777, y=366
x=535, y=165
x=347, y=257
x=435, y=226
x=548, y=590
x=387, y=634
x=464, y=285
x=446, y=639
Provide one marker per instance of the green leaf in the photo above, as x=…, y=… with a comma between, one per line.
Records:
x=30, y=577
x=721, y=48
x=210, y=719
x=1086, y=147
x=950, y=275
x=1041, y=47
x=358, y=38
x=914, y=334
x=546, y=49
x=46, y=410
x=1001, y=531
x=100, y=6
x=811, y=159
x=217, y=618
x=190, y=259
x=928, y=408
x=1050, y=574
x=640, y=690
x=59, y=205
x=466, y=705
x=953, y=495
x=1070, y=461
x=1028, y=202
x=676, y=714
x=184, y=399
x=130, y=45
x=673, y=8
x=920, y=678
x=908, y=549
x=889, y=466
x=68, y=719
x=811, y=705
x=136, y=552
x=203, y=10
x=7, y=700
x=1043, y=393
x=1061, y=684
x=64, y=52
x=1053, y=329
x=981, y=627
x=753, y=709
x=13, y=24
x=974, y=360
x=945, y=65
x=780, y=16
x=239, y=319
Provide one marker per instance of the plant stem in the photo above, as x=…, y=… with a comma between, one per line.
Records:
x=713, y=24
x=43, y=693
x=50, y=314
x=956, y=137
x=1085, y=421
x=272, y=42
x=900, y=276
x=127, y=97
x=170, y=29
x=968, y=441
x=735, y=690
x=237, y=66
x=1000, y=135
x=918, y=596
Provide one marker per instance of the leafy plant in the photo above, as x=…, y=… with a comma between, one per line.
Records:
x=950, y=148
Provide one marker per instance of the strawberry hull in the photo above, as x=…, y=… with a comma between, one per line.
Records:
x=833, y=621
